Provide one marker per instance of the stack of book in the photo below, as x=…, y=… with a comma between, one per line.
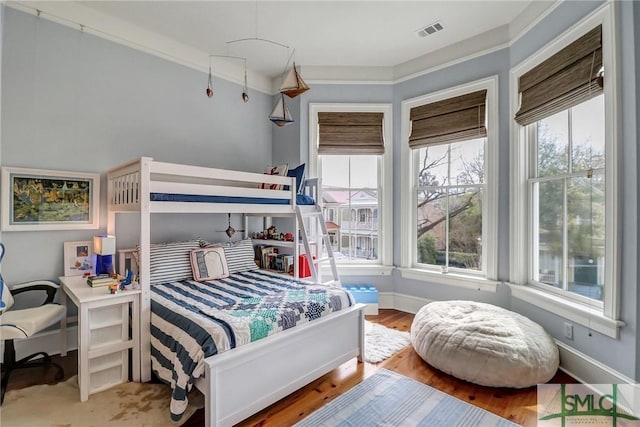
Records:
x=101, y=280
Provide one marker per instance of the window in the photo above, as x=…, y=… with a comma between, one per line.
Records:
x=330, y=214
x=449, y=184
x=564, y=185
x=355, y=179
x=351, y=182
x=567, y=182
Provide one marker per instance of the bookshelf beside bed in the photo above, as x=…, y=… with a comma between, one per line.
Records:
x=235, y=382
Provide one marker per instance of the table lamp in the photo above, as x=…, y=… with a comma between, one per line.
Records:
x=105, y=247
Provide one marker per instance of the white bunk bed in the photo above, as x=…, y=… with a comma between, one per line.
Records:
x=235, y=383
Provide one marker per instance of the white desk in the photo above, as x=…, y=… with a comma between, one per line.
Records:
x=103, y=334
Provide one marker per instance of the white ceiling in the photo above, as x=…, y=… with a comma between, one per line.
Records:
x=374, y=37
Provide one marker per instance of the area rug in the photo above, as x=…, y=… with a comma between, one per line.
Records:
x=381, y=342
x=390, y=399
x=128, y=404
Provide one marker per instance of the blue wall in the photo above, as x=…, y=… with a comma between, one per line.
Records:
x=76, y=102
x=633, y=154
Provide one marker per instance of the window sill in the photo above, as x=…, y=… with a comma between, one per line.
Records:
x=450, y=279
x=578, y=313
x=358, y=270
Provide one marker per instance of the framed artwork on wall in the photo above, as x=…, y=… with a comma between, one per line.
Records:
x=35, y=200
x=79, y=258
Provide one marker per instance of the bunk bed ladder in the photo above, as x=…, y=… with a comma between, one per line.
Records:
x=321, y=239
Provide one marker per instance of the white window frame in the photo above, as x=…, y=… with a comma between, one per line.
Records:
x=408, y=250
x=603, y=320
x=384, y=264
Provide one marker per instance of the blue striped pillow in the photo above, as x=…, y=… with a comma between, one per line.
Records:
x=240, y=256
x=171, y=261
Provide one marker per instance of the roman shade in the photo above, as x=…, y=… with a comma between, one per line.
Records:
x=350, y=133
x=451, y=120
x=568, y=78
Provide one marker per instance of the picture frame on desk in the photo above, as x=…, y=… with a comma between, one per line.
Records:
x=79, y=258
x=128, y=261
x=36, y=200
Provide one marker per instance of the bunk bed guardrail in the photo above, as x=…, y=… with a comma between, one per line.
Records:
x=167, y=185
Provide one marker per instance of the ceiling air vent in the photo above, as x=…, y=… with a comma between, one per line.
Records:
x=430, y=29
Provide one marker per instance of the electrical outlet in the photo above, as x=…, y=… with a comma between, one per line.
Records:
x=568, y=330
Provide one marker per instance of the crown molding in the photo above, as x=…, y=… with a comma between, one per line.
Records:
x=482, y=44
x=530, y=17
x=77, y=16
x=344, y=75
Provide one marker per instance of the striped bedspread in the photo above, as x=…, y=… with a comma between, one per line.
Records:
x=191, y=320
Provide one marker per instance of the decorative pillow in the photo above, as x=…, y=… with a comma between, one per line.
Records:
x=240, y=256
x=209, y=264
x=298, y=173
x=274, y=170
x=304, y=199
x=171, y=261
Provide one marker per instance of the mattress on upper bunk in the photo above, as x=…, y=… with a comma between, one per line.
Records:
x=301, y=199
x=191, y=320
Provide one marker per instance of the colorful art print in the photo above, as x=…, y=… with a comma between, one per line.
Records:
x=79, y=258
x=49, y=200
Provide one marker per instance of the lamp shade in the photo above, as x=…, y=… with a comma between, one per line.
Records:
x=104, y=245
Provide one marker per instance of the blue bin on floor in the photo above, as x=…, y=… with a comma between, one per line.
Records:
x=365, y=294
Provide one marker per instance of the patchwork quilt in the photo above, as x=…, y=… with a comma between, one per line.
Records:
x=191, y=320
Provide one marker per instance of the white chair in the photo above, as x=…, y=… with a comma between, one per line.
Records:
x=23, y=323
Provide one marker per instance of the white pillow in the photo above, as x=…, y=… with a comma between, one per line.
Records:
x=209, y=264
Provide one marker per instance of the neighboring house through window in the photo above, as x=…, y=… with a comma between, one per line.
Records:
x=350, y=151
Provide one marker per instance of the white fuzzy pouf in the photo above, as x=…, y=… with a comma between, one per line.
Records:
x=484, y=344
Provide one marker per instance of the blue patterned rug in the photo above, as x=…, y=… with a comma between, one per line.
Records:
x=392, y=400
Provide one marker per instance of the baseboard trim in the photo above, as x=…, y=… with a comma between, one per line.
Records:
x=407, y=303
x=48, y=341
x=586, y=369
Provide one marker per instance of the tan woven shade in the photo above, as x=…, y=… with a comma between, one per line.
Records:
x=451, y=120
x=570, y=77
x=350, y=133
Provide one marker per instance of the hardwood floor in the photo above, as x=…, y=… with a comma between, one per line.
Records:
x=517, y=405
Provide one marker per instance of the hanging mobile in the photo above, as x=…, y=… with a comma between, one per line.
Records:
x=245, y=89
x=210, y=83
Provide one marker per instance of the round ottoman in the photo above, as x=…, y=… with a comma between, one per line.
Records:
x=484, y=344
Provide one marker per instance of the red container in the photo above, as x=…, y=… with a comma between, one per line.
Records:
x=304, y=269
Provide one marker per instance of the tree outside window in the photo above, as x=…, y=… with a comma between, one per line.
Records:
x=568, y=200
x=449, y=205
